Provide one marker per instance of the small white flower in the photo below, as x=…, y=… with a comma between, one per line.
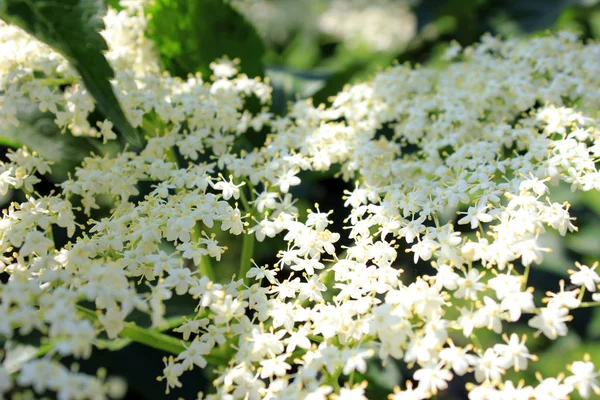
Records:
x=475, y=216
x=584, y=378
x=552, y=389
x=551, y=322
x=470, y=285
x=514, y=353
x=432, y=378
x=586, y=276
x=275, y=366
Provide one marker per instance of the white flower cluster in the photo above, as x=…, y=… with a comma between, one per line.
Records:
x=379, y=25
x=485, y=138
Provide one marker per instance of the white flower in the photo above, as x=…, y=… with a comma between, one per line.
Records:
x=275, y=366
x=475, y=216
x=552, y=389
x=298, y=339
x=432, y=378
x=356, y=393
x=6, y=181
x=566, y=299
x=193, y=354
x=520, y=392
x=469, y=286
x=584, y=378
x=224, y=68
x=551, y=322
x=35, y=242
x=517, y=302
x=586, y=276
x=488, y=366
x=5, y=381
x=514, y=353
x=228, y=188
x=409, y=393
x=171, y=373
x=457, y=358
x=258, y=273
x=113, y=322
x=287, y=179
x=356, y=360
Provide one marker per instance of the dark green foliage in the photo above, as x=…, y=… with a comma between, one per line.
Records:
x=190, y=34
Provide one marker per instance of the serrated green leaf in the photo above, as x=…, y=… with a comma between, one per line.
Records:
x=72, y=28
x=191, y=34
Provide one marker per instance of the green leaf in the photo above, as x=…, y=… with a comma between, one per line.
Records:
x=190, y=34
x=72, y=28
x=534, y=15
x=38, y=131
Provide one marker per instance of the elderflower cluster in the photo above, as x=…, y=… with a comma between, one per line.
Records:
x=454, y=167
x=380, y=25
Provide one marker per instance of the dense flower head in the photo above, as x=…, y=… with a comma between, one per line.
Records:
x=453, y=166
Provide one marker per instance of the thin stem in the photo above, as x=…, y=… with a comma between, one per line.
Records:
x=56, y=81
x=205, y=266
x=352, y=378
x=248, y=243
x=154, y=338
x=251, y=190
x=141, y=335
x=588, y=304
x=172, y=156
x=526, y=276
x=246, y=258
x=244, y=201
x=581, y=294
x=476, y=341
x=333, y=380
x=481, y=230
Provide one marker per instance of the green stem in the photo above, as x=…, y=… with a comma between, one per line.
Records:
x=588, y=304
x=149, y=337
x=152, y=126
x=205, y=266
x=251, y=189
x=56, y=81
x=248, y=243
x=246, y=258
x=352, y=378
x=315, y=338
x=582, y=293
x=244, y=201
x=120, y=343
x=333, y=380
x=128, y=335
x=476, y=341
x=172, y=156
x=156, y=339
x=526, y=276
